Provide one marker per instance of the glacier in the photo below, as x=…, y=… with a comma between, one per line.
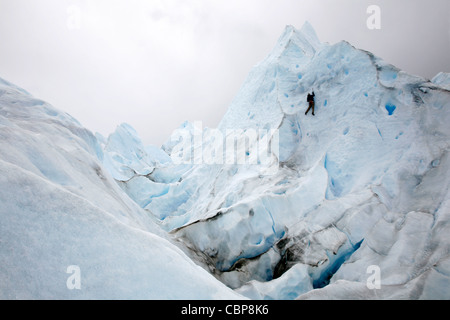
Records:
x=361, y=186
x=363, y=183
x=61, y=208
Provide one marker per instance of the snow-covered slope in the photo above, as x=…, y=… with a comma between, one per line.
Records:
x=61, y=208
x=442, y=79
x=363, y=183
x=360, y=190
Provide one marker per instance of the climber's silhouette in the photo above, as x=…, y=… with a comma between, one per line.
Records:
x=310, y=99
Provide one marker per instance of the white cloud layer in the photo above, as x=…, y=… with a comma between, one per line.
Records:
x=157, y=63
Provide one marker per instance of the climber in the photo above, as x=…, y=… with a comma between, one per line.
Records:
x=310, y=99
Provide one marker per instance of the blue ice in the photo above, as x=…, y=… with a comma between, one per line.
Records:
x=390, y=108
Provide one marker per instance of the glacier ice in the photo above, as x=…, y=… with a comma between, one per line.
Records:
x=442, y=79
x=61, y=207
x=363, y=183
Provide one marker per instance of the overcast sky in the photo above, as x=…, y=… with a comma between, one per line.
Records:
x=156, y=63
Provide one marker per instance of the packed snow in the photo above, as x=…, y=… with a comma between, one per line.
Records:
x=60, y=208
x=309, y=207
x=365, y=182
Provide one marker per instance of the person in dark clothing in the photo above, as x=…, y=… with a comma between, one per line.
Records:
x=310, y=99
